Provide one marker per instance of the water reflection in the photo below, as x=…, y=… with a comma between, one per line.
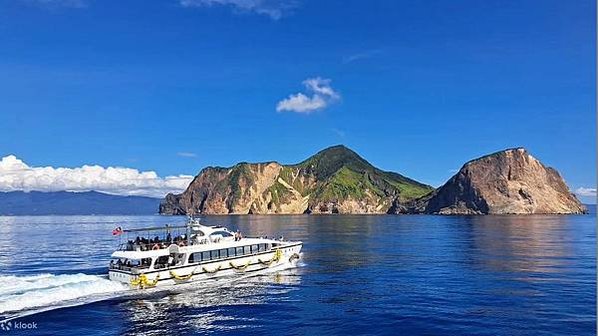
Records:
x=209, y=308
x=524, y=244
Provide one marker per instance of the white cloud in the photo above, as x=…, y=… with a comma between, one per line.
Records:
x=186, y=154
x=17, y=175
x=587, y=192
x=362, y=55
x=322, y=95
x=275, y=9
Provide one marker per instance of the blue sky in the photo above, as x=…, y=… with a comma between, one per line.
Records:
x=417, y=87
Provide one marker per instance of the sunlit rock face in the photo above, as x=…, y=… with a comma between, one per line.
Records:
x=508, y=182
x=335, y=180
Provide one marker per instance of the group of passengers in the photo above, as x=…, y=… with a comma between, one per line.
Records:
x=145, y=244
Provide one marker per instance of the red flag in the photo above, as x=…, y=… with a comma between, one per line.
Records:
x=117, y=231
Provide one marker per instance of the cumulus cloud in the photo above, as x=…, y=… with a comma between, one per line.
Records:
x=586, y=192
x=17, y=175
x=322, y=95
x=275, y=9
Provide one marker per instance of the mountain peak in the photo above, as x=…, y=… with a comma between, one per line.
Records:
x=335, y=180
x=337, y=150
x=327, y=161
x=511, y=181
x=515, y=151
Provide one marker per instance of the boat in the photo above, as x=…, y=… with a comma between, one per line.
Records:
x=194, y=252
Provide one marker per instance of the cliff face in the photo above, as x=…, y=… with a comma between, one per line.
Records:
x=336, y=180
x=507, y=182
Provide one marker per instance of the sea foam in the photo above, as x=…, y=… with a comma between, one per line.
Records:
x=19, y=293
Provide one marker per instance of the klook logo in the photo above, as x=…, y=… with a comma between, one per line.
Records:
x=8, y=326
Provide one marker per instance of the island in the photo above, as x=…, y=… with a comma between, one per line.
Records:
x=337, y=180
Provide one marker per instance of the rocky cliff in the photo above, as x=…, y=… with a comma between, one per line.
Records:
x=508, y=182
x=335, y=180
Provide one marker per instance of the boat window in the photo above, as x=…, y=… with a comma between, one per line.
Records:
x=177, y=259
x=231, y=252
x=223, y=253
x=197, y=257
x=161, y=262
x=254, y=248
x=146, y=262
x=240, y=250
x=215, y=254
x=222, y=233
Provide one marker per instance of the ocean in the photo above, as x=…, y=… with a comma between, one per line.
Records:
x=358, y=275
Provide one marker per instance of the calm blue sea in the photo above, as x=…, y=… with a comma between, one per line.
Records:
x=359, y=275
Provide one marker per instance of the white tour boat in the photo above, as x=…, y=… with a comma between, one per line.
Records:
x=194, y=252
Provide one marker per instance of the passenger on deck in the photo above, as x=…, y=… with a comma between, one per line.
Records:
x=168, y=238
x=238, y=235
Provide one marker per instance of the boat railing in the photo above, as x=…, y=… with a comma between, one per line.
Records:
x=148, y=246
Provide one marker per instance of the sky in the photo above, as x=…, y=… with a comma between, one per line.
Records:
x=136, y=97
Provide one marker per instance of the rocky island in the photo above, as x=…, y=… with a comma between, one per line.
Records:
x=335, y=180
x=338, y=180
x=507, y=182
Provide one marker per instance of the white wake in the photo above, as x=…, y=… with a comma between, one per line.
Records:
x=26, y=295
x=44, y=291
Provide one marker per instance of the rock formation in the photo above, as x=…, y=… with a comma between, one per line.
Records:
x=335, y=180
x=508, y=182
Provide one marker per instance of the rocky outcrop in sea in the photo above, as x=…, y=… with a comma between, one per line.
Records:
x=507, y=182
